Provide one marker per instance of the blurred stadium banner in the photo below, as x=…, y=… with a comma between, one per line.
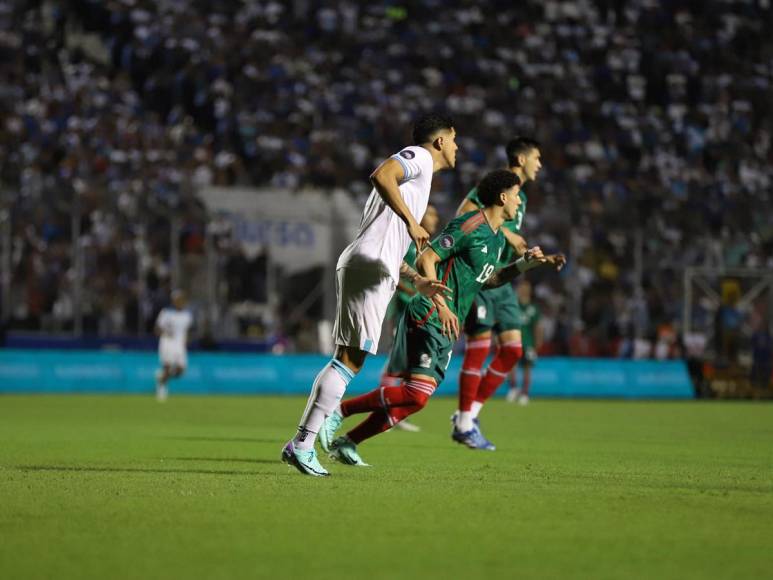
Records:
x=25, y=371
x=299, y=229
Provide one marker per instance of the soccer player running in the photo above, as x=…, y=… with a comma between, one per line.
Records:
x=466, y=255
x=368, y=271
x=531, y=335
x=406, y=291
x=495, y=310
x=172, y=326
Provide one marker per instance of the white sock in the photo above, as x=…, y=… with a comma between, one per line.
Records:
x=326, y=393
x=464, y=422
x=476, y=407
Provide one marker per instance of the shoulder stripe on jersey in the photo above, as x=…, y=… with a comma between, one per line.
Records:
x=473, y=222
x=406, y=170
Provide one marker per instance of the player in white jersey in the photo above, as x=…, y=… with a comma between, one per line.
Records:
x=172, y=327
x=369, y=269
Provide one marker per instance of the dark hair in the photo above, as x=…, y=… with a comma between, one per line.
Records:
x=427, y=126
x=519, y=146
x=495, y=183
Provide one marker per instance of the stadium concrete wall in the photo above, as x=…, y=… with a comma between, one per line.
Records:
x=51, y=371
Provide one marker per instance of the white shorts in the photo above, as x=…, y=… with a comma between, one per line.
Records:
x=172, y=354
x=363, y=296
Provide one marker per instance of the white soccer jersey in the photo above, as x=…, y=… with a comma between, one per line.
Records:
x=175, y=324
x=383, y=239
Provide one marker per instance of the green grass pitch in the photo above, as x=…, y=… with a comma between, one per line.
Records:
x=114, y=487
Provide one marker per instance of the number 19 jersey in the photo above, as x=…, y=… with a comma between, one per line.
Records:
x=470, y=252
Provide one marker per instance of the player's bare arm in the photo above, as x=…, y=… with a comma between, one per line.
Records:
x=516, y=241
x=466, y=207
x=427, y=266
x=531, y=258
x=386, y=179
x=423, y=285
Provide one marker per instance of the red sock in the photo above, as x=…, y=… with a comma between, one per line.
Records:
x=375, y=423
x=377, y=399
x=506, y=358
x=475, y=354
x=396, y=403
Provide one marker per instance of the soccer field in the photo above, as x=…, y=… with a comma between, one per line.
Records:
x=122, y=487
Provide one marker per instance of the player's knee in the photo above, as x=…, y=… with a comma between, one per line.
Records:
x=352, y=357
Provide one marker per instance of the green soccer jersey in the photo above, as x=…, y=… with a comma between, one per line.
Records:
x=469, y=251
x=401, y=298
x=514, y=225
x=410, y=259
x=530, y=316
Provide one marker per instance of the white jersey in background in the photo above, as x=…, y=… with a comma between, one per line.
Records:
x=383, y=236
x=172, y=344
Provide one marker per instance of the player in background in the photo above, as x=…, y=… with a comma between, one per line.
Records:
x=368, y=271
x=531, y=337
x=172, y=327
x=495, y=310
x=406, y=291
x=465, y=255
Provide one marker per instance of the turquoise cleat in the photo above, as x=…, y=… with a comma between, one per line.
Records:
x=344, y=450
x=328, y=431
x=304, y=461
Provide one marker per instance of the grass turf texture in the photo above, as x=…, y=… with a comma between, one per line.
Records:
x=122, y=487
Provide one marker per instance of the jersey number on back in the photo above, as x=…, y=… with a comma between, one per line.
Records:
x=485, y=274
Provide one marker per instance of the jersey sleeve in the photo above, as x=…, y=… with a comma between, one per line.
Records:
x=162, y=317
x=451, y=240
x=413, y=163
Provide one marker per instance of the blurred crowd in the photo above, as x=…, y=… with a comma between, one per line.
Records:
x=655, y=119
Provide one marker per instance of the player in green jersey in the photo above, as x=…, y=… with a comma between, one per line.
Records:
x=465, y=256
x=405, y=291
x=495, y=311
x=531, y=336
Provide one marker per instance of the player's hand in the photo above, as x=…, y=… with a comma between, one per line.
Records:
x=558, y=261
x=430, y=287
x=449, y=322
x=535, y=255
x=418, y=234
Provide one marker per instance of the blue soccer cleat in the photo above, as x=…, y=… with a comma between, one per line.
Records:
x=304, y=461
x=485, y=443
x=473, y=438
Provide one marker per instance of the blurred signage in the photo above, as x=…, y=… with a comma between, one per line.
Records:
x=51, y=371
x=294, y=228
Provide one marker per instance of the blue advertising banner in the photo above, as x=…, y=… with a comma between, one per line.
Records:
x=52, y=371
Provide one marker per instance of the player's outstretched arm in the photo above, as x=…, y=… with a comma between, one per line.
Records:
x=532, y=258
x=516, y=241
x=386, y=179
x=466, y=206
